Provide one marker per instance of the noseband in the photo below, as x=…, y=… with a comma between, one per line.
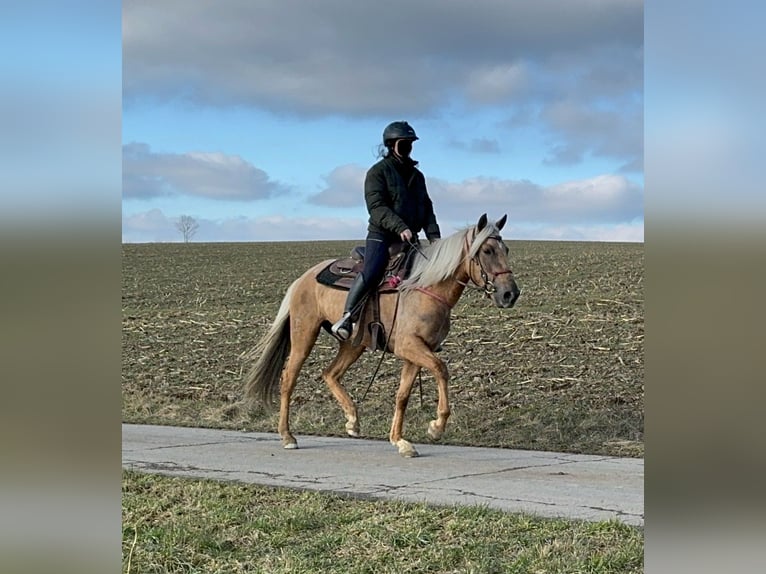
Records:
x=489, y=282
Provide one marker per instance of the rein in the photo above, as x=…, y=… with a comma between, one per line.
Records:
x=385, y=348
x=383, y=354
x=431, y=294
x=416, y=246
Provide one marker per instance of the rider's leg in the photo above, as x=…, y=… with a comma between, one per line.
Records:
x=375, y=259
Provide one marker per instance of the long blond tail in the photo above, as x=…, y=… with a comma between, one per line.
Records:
x=270, y=355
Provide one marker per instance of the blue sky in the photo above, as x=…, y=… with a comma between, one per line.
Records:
x=260, y=119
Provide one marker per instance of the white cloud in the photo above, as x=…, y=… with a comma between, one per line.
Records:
x=605, y=200
x=345, y=187
x=477, y=145
x=150, y=221
x=601, y=199
x=152, y=225
x=594, y=192
x=496, y=83
x=622, y=232
x=212, y=175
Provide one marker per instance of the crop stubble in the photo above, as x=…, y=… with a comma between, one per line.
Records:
x=563, y=370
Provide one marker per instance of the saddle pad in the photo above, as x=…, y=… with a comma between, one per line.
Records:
x=340, y=274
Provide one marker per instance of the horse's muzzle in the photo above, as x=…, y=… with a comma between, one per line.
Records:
x=506, y=296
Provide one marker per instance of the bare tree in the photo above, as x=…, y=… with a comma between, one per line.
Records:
x=188, y=226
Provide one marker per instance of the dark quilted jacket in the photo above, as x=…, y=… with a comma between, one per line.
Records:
x=395, y=205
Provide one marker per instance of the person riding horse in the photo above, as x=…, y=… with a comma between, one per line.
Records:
x=399, y=207
x=416, y=318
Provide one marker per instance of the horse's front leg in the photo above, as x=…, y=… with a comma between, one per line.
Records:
x=437, y=427
x=419, y=353
x=409, y=372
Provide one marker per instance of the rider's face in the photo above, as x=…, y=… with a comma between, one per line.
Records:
x=403, y=148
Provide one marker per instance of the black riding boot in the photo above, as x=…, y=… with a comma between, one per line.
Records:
x=356, y=293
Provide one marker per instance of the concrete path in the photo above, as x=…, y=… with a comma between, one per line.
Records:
x=543, y=483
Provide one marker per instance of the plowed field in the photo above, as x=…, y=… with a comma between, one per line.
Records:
x=563, y=370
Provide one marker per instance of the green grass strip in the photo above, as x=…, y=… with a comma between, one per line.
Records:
x=188, y=526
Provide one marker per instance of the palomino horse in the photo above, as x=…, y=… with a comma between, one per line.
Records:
x=416, y=319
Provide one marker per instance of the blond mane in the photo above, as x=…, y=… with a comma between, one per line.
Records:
x=441, y=260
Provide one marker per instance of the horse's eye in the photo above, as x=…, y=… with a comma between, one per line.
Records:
x=487, y=251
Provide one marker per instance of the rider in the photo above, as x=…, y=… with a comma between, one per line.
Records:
x=399, y=207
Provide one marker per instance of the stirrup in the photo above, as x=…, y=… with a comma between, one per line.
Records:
x=342, y=329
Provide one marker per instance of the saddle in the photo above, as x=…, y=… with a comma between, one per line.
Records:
x=340, y=274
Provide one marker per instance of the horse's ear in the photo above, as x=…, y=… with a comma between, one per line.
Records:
x=501, y=222
x=482, y=222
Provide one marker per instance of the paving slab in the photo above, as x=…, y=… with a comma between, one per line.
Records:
x=547, y=484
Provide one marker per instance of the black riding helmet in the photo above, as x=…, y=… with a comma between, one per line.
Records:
x=398, y=131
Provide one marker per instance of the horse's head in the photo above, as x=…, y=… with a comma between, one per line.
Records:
x=488, y=264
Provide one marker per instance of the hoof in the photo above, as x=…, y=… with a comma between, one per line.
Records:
x=406, y=449
x=352, y=429
x=289, y=444
x=433, y=431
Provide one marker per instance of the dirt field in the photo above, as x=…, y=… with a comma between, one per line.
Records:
x=563, y=370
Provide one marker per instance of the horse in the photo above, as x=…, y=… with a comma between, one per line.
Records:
x=416, y=318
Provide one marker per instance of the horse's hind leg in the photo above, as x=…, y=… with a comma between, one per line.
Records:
x=347, y=355
x=302, y=342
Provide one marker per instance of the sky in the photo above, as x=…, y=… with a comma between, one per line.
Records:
x=260, y=119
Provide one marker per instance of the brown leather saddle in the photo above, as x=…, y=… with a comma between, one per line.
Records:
x=341, y=272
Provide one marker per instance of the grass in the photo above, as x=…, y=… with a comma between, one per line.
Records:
x=175, y=525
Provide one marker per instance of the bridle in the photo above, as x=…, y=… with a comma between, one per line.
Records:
x=488, y=287
x=489, y=282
